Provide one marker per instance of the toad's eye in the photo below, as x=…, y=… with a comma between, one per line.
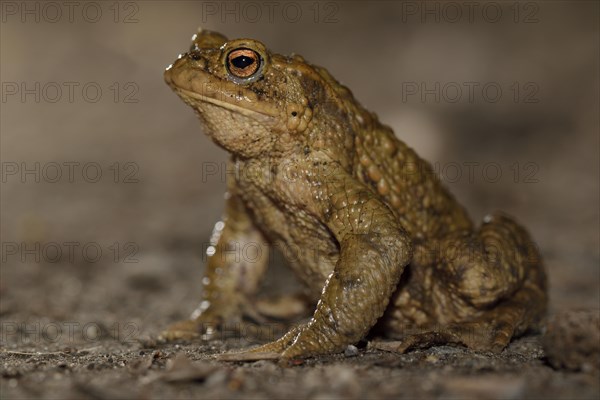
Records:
x=243, y=63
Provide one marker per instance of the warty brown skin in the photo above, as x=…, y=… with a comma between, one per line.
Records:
x=364, y=222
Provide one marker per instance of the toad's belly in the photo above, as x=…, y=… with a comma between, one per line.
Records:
x=307, y=245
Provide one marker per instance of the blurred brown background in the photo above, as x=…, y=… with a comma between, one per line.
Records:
x=154, y=203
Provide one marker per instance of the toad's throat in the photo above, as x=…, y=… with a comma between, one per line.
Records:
x=266, y=114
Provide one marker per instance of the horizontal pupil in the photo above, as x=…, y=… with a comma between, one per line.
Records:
x=242, y=61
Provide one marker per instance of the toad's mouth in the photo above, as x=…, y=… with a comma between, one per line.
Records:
x=237, y=104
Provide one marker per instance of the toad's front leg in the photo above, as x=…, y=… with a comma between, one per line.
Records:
x=373, y=253
x=355, y=295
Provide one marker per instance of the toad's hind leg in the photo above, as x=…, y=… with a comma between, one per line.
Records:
x=492, y=330
x=503, y=278
x=488, y=287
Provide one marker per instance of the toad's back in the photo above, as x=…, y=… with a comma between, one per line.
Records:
x=408, y=185
x=402, y=179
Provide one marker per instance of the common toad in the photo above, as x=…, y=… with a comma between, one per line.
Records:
x=363, y=220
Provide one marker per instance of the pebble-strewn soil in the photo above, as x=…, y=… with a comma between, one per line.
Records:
x=75, y=325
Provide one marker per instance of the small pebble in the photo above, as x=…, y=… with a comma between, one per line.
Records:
x=351, y=351
x=572, y=340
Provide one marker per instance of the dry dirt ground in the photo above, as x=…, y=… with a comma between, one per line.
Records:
x=72, y=340
x=81, y=324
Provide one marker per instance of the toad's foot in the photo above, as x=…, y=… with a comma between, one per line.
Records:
x=291, y=347
x=188, y=329
x=491, y=332
x=206, y=325
x=472, y=336
x=270, y=351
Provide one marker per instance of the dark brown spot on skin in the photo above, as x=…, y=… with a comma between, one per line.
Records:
x=314, y=90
